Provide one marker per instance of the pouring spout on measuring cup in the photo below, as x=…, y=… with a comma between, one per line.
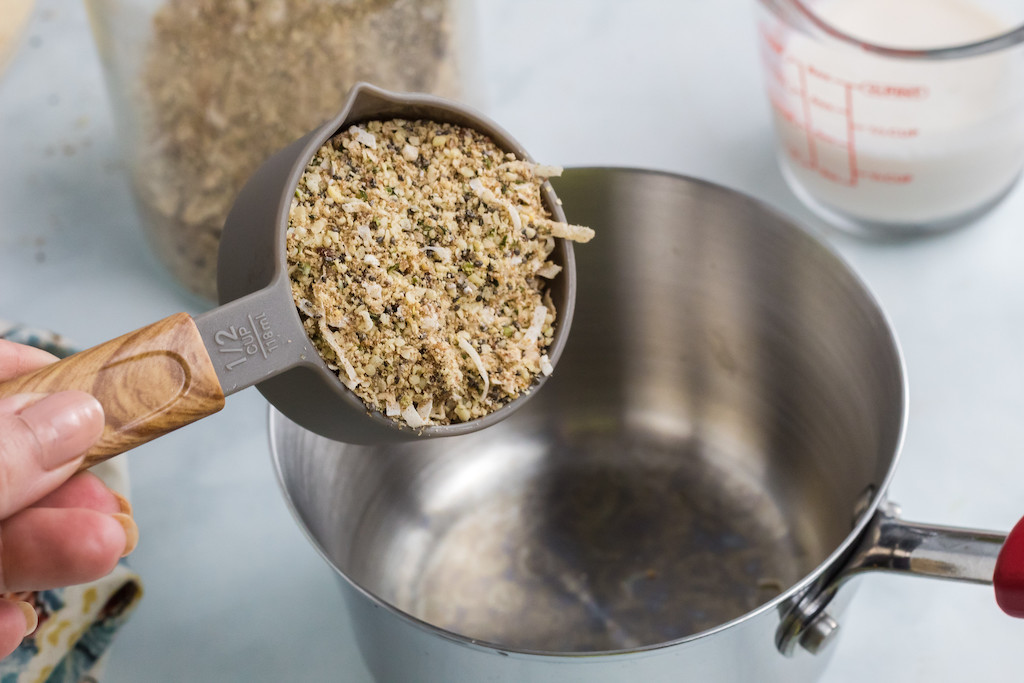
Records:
x=180, y=369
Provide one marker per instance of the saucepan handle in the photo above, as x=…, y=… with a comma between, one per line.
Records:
x=1009, y=573
x=947, y=553
x=892, y=544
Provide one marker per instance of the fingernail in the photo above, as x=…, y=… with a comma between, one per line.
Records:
x=131, y=532
x=122, y=503
x=31, y=618
x=66, y=424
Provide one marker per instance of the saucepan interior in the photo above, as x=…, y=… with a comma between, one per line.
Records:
x=728, y=394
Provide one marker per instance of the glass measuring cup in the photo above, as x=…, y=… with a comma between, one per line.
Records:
x=896, y=117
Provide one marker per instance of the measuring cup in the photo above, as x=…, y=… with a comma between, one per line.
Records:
x=178, y=370
x=896, y=117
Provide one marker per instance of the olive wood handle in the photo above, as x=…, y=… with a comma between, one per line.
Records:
x=149, y=382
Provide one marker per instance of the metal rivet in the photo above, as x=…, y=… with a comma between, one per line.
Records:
x=819, y=633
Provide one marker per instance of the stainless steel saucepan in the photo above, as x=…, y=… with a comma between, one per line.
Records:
x=685, y=499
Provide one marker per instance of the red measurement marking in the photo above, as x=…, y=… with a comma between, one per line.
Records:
x=795, y=155
x=827, y=77
x=825, y=137
x=773, y=42
x=890, y=178
x=850, y=150
x=905, y=92
x=812, y=150
x=889, y=131
x=834, y=177
x=776, y=76
x=784, y=111
x=828, y=106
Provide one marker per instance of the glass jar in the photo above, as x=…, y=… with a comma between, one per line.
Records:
x=14, y=16
x=205, y=90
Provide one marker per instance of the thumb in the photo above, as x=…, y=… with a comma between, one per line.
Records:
x=42, y=438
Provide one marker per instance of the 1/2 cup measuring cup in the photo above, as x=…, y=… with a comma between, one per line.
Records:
x=900, y=117
x=179, y=369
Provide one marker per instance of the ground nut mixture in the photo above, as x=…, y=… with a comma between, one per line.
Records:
x=418, y=253
x=225, y=83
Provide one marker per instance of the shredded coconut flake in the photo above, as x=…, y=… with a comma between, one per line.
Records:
x=306, y=306
x=536, y=324
x=549, y=270
x=443, y=252
x=478, y=187
x=412, y=417
x=366, y=322
x=364, y=137
x=350, y=372
x=544, y=171
x=485, y=195
x=513, y=214
x=576, y=233
x=478, y=362
x=352, y=207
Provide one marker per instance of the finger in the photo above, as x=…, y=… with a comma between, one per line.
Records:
x=18, y=359
x=85, y=490
x=17, y=620
x=41, y=443
x=46, y=548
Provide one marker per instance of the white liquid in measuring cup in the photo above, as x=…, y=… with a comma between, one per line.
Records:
x=897, y=141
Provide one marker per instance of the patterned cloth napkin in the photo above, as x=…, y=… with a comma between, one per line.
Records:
x=77, y=623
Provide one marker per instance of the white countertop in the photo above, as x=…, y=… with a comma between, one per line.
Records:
x=233, y=590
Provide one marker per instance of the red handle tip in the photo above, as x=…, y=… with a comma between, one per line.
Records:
x=1009, y=575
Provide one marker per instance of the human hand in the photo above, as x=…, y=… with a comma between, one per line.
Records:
x=58, y=527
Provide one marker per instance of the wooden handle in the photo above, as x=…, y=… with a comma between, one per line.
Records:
x=149, y=382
